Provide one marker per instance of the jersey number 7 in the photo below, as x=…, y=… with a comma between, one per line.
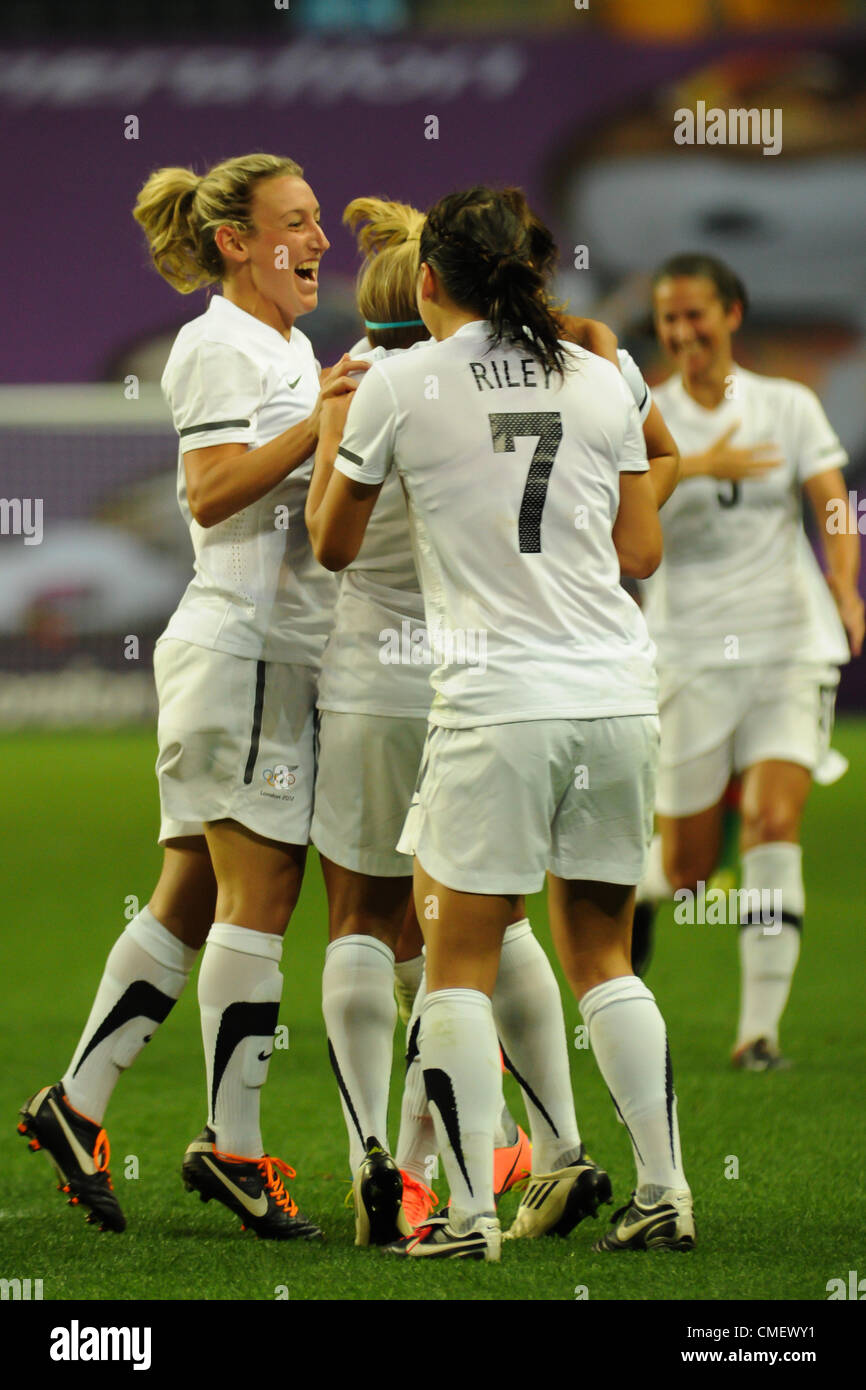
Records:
x=506, y=426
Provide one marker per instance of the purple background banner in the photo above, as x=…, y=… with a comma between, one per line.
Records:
x=79, y=284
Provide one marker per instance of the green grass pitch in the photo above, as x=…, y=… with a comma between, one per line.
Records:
x=79, y=819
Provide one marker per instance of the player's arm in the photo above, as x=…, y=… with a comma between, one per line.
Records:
x=222, y=479
x=637, y=532
x=840, y=543
x=721, y=460
x=663, y=455
x=590, y=334
x=348, y=473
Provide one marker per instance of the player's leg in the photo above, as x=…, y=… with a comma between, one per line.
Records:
x=144, y=975
x=698, y=713
x=591, y=922
x=783, y=737
x=366, y=915
x=239, y=990
x=772, y=902
x=408, y=962
x=248, y=773
x=459, y=1054
x=520, y=974
x=599, y=851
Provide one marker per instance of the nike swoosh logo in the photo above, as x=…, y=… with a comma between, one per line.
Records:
x=263, y=1056
x=647, y=1225
x=83, y=1157
x=256, y=1206
x=294, y=383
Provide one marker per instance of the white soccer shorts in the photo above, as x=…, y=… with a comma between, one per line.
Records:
x=718, y=722
x=236, y=742
x=499, y=804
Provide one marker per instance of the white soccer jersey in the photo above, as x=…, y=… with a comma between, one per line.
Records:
x=512, y=480
x=375, y=661
x=739, y=580
x=258, y=590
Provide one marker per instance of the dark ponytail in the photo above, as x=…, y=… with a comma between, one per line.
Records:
x=480, y=246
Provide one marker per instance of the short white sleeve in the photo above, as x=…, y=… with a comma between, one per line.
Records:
x=367, y=450
x=214, y=393
x=817, y=444
x=632, y=455
x=633, y=378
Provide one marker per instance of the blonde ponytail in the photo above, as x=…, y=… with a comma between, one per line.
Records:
x=180, y=213
x=387, y=234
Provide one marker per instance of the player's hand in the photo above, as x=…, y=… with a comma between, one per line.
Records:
x=851, y=611
x=334, y=410
x=722, y=460
x=335, y=382
x=590, y=334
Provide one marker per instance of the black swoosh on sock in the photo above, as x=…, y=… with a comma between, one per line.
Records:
x=139, y=1000
x=627, y=1130
x=527, y=1089
x=440, y=1092
x=669, y=1095
x=412, y=1049
x=344, y=1091
x=240, y=1021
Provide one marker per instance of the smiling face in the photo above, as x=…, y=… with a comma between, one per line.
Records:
x=279, y=259
x=692, y=324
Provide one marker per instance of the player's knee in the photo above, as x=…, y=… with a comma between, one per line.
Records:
x=777, y=821
x=688, y=870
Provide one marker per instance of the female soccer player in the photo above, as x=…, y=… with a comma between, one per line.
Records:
x=374, y=697
x=235, y=672
x=749, y=635
x=547, y=762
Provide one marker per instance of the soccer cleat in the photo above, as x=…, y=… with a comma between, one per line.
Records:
x=419, y=1200
x=554, y=1203
x=79, y=1150
x=642, y=937
x=378, y=1194
x=436, y=1240
x=511, y=1164
x=666, y=1225
x=250, y=1187
x=760, y=1055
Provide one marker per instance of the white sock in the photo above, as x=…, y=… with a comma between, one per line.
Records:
x=407, y=978
x=239, y=989
x=505, y=1134
x=360, y=1013
x=769, y=952
x=628, y=1037
x=417, y=1146
x=144, y=975
x=460, y=1058
x=655, y=885
x=527, y=1010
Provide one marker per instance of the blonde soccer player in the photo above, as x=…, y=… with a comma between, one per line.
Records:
x=750, y=634
x=236, y=677
x=525, y=473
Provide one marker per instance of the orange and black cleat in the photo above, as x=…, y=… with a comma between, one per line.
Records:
x=250, y=1187
x=78, y=1149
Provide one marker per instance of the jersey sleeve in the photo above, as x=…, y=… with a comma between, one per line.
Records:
x=367, y=450
x=214, y=395
x=633, y=378
x=632, y=453
x=816, y=442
